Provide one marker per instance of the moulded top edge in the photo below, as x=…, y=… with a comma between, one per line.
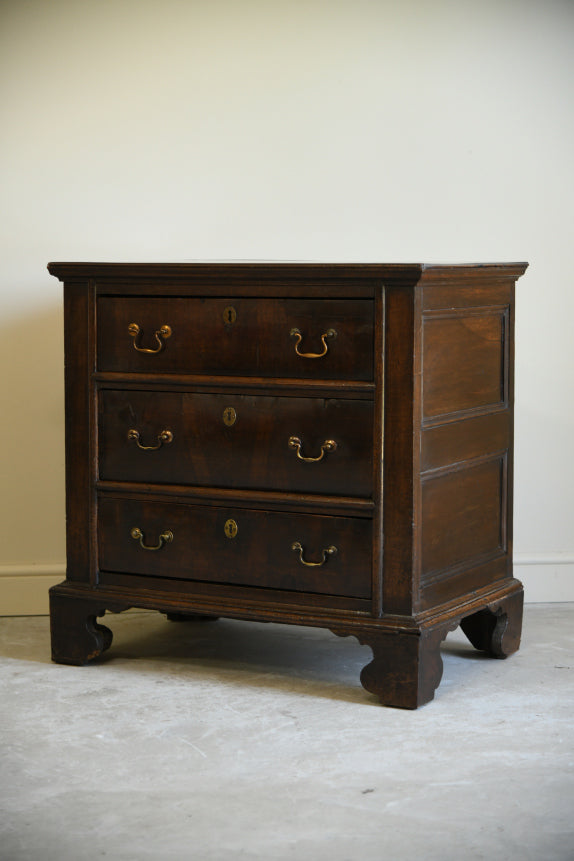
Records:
x=186, y=268
x=261, y=270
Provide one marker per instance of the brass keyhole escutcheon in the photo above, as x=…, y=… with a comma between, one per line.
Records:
x=231, y=529
x=229, y=416
x=229, y=315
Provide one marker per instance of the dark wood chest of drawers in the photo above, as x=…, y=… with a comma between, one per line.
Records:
x=323, y=445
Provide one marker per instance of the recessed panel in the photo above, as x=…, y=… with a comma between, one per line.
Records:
x=463, y=517
x=464, y=362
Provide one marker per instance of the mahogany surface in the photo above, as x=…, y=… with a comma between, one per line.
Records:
x=207, y=451
x=391, y=517
x=257, y=343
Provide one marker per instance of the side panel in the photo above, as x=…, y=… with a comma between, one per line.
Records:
x=464, y=515
x=465, y=535
x=465, y=360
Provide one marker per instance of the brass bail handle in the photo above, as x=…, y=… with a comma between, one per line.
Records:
x=296, y=333
x=163, y=437
x=295, y=443
x=164, y=538
x=328, y=551
x=160, y=335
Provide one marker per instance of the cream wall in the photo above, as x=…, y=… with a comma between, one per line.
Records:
x=437, y=130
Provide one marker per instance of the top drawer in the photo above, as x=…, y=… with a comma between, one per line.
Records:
x=311, y=338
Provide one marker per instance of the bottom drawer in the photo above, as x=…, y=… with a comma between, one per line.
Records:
x=271, y=550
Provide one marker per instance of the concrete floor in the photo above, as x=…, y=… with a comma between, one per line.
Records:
x=234, y=740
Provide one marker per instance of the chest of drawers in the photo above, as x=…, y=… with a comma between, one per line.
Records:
x=315, y=444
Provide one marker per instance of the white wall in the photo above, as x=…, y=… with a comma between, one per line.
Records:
x=437, y=130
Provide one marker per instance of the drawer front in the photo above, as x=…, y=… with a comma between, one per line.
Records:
x=237, y=546
x=311, y=445
x=297, y=338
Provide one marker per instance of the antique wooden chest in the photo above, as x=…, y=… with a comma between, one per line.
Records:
x=316, y=444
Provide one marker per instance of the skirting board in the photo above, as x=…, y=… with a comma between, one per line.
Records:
x=546, y=579
x=24, y=588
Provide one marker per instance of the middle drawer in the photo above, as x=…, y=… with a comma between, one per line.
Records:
x=316, y=445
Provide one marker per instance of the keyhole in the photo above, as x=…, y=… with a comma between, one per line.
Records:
x=229, y=416
x=229, y=315
x=230, y=528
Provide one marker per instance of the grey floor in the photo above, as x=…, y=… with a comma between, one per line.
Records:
x=234, y=740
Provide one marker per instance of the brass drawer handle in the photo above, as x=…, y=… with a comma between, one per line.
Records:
x=164, y=538
x=164, y=437
x=296, y=333
x=162, y=333
x=329, y=551
x=328, y=445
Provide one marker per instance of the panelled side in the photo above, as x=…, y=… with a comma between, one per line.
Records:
x=465, y=490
